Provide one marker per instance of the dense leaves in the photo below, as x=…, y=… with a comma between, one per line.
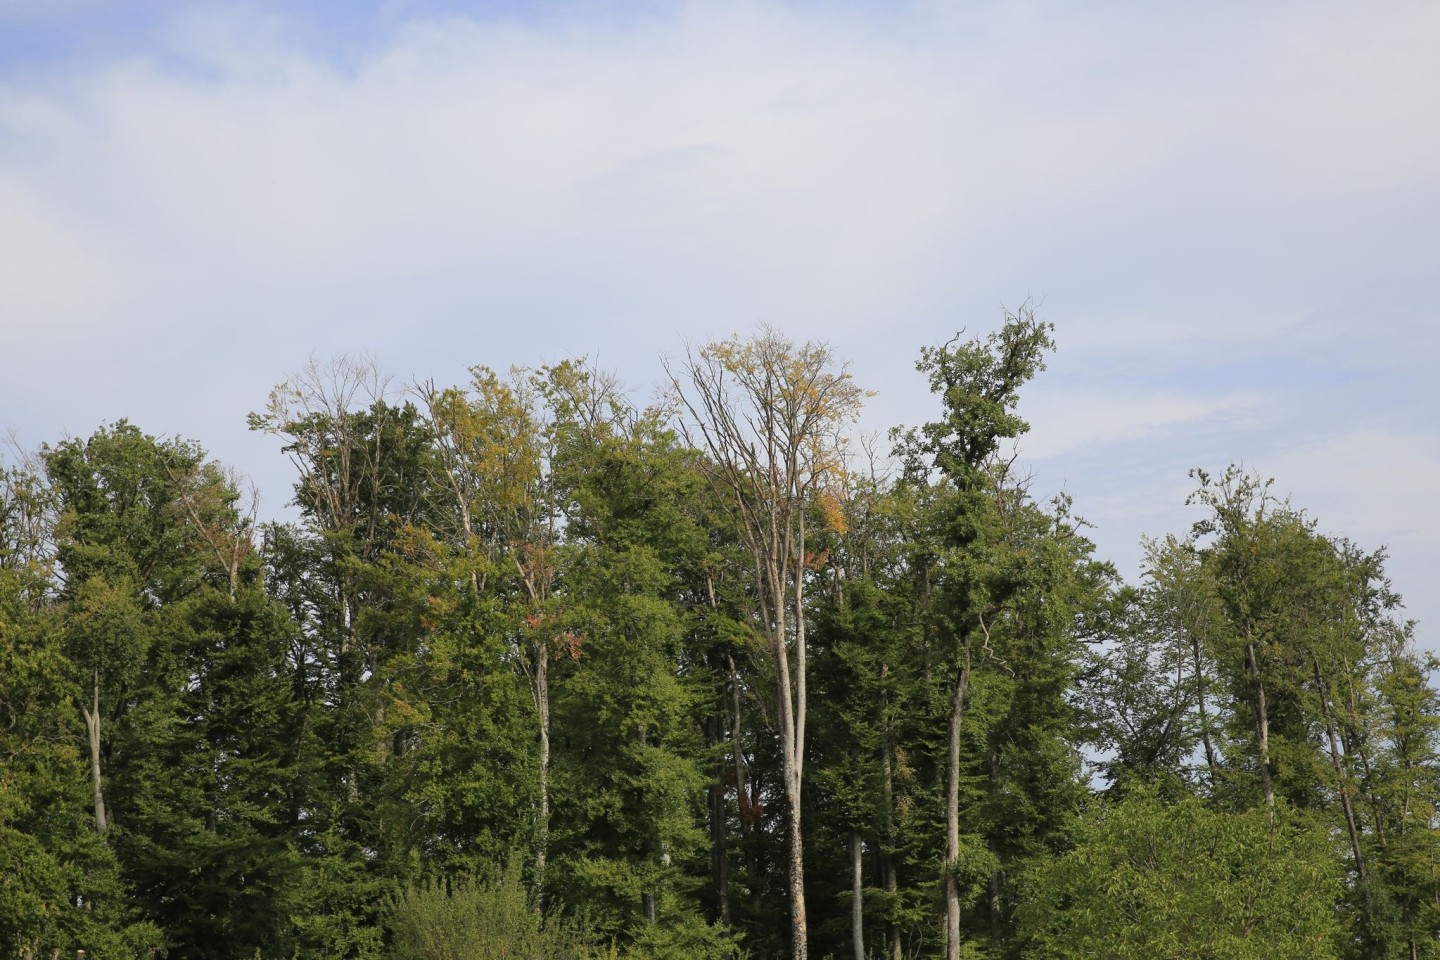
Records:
x=534, y=672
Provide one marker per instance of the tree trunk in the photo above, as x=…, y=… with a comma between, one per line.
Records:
x=1262, y=728
x=92, y=728
x=791, y=720
x=887, y=859
x=719, y=857
x=1211, y=764
x=952, y=811
x=1342, y=781
x=799, y=934
x=799, y=929
x=542, y=707
x=857, y=898
x=742, y=789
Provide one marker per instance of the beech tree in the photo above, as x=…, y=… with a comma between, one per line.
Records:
x=770, y=417
x=978, y=382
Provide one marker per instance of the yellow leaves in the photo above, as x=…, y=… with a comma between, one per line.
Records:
x=832, y=513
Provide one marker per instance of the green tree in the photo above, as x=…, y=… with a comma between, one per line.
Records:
x=61, y=888
x=180, y=653
x=978, y=383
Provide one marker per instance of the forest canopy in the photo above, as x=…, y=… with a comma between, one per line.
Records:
x=536, y=672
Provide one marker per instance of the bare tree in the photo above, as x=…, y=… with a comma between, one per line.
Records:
x=770, y=414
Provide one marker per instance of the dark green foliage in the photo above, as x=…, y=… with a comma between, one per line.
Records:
x=505, y=688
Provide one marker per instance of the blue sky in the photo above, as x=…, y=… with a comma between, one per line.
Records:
x=1231, y=212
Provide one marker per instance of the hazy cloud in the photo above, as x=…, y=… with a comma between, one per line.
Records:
x=1230, y=211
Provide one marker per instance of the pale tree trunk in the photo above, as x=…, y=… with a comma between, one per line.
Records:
x=791, y=721
x=799, y=929
x=857, y=897
x=92, y=729
x=1211, y=764
x=1262, y=728
x=719, y=857
x=799, y=926
x=887, y=861
x=791, y=769
x=542, y=707
x=742, y=788
x=952, y=810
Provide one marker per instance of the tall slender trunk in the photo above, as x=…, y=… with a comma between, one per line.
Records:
x=791, y=715
x=799, y=928
x=1262, y=727
x=92, y=729
x=791, y=770
x=1342, y=780
x=887, y=786
x=1211, y=764
x=1356, y=747
x=742, y=789
x=719, y=856
x=719, y=853
x=857, y=897
x=542, y=707
x=952, y=810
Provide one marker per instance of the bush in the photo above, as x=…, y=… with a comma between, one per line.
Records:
x=470, y=918
x=1185, y=882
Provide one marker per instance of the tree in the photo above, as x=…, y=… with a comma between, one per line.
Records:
x=170, y=635
x=978, y=382
x=769, y=415
x=1157, y=704
x=62, y=889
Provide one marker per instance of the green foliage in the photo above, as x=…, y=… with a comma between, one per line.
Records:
x=478, y=918
x=1147, y=879
x=688, y=938
x=520, y=616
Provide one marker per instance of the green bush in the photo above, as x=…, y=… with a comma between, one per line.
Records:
x=470, y=918
x=1182, y=881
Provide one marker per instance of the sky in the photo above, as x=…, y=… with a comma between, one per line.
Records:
x=1229, y=211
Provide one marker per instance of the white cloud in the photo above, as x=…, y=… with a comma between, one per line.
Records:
x=1074, y=420
x=1186, y=190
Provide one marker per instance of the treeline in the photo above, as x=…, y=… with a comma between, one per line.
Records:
x=541, y=673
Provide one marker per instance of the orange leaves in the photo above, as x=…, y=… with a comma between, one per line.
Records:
x=814, y=560
x=566, y=644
